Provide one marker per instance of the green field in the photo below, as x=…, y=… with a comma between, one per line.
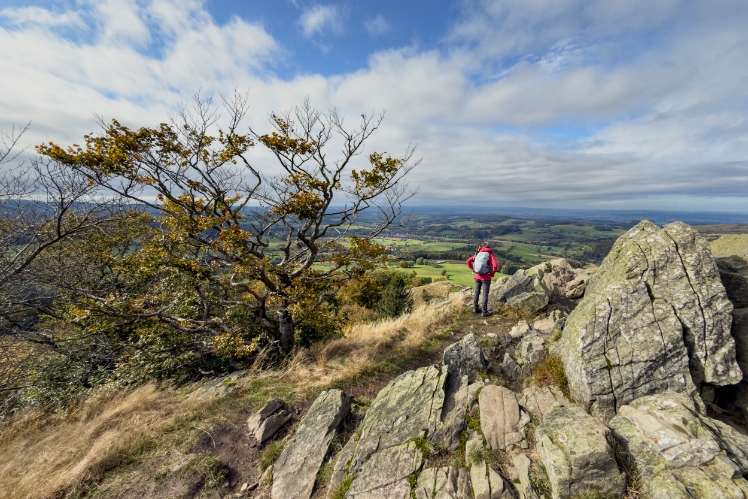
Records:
x=457, y=272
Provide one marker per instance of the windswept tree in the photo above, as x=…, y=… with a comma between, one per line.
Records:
x=235, y=245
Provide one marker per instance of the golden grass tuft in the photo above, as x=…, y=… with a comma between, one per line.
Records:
x=45, y=456
x=41, y=460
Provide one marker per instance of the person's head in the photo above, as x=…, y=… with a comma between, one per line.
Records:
x=486, y=244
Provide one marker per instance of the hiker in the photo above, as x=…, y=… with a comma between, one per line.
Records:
x=484, y=266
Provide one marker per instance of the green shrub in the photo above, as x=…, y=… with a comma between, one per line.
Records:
x=396, y=299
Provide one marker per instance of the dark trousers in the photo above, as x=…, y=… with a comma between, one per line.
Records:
x=485, y=285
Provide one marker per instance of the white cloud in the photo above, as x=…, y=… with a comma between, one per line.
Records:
x=377, y=25
x=25, y=16
x=321, y=20
x=567, y=104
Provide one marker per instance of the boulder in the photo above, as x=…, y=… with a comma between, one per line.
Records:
x=531, y=350
x=733, y=272
x=574, y=448
x=502, y=421
x=679, y=453
x=295, y=470
x=654, y=318
x=385, y=475
x=267, y=421
x=443, y=483
x=520, y=329
x=217, y=387
x=523, y=281
x=531, y=302
x=538, y=400
x=576, y=288
x=464, y=357
x=557, y=275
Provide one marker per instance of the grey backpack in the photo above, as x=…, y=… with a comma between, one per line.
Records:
x=481, y=265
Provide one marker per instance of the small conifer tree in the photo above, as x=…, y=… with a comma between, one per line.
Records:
x=396, y=299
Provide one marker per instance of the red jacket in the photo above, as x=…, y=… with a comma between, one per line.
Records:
x=491, y=260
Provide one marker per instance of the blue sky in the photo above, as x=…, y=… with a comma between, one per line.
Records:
x=640, y=104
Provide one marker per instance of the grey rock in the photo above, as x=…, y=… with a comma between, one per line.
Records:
x=525, y=488
x=409, y=407
x=515, y=285
x=443, y=483
x=485, y=482
x=295, y=470
x=557, y=275
x=576, y=287
x=465, y=356
x=502, y=421
x=531, y=350
x=385, y=474
x=574, y=448
x=680, y=453
x=458, y=399
x=733, y=272
x=654, y=318
x=538, y=400
x=267, y=421
x=532, y=302
x=217, y=387
x=519, y=330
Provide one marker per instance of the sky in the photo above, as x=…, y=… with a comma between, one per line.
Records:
x=530, y=103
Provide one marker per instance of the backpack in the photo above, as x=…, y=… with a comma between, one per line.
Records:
x=481, y=265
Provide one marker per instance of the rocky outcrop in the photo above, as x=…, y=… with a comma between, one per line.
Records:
x=574, y=448
x=733, y=272
x=538, y=400
x=531, y=302
x=679, y=453
x=654, y=318
x=464, y=357
x=267, y=421
x=385, y=475
x=502, y=421
x=295, y=470
x=522, y=290
x=443, y=483
x=484, y=481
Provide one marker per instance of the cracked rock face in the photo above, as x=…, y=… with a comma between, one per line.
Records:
x=385, y=475
x=538, y=400
x=502, y=421
x=574, y=449
x=733, y=272
x=464, y=357
x=443, y=483
x=295, y=470
x=679, y=453
x=655, y=318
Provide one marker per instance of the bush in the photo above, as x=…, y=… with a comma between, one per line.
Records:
x=396, y=299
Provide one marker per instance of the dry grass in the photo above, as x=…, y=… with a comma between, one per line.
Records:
x=550, y=372
x=40, y=460
x=45, y=456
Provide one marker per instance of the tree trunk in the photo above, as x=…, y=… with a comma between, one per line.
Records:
x=285, y=328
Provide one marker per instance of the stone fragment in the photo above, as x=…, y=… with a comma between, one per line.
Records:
x=733, y=272
x=576, y=288
x=459, y=395
x=267, y=421
x=680, y=453
x=485, y=482
x=525, y=488
x=296, y=468
x=531, y=302
x=520, y=329
x=385, y=474
x=538, y=400
x=513, y=370
x=502, y=421
x=574, y=448
x=443, y=483
x=654, y=318
x=465, y=356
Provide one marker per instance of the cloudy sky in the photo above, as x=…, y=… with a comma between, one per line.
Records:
x=537, y=103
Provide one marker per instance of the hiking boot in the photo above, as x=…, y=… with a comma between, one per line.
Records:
x=476, y=310
x=485, y=314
